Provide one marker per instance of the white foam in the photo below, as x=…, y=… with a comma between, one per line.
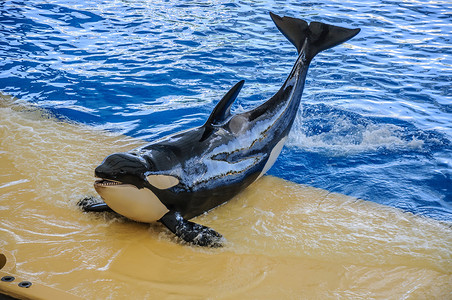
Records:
x=8, y=184
x=345, y=136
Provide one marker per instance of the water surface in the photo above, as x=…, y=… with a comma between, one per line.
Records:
x=375, y=119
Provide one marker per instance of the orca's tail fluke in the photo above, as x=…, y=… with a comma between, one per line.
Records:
x=319, y=36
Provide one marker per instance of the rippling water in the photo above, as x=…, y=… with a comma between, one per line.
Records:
x=283, y=239
x=376, y=116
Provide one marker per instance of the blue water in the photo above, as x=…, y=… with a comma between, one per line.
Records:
x=376, y=115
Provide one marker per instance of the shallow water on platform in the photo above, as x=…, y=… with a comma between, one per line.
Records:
x=283, y=239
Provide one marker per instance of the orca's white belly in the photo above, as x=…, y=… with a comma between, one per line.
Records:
x=140, y=205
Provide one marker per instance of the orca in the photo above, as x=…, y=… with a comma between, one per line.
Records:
x=183, y=175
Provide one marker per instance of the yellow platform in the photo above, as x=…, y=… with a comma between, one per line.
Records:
x=18, y=287
x=284, y=240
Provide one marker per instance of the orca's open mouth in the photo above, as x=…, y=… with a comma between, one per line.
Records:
x=107, y=182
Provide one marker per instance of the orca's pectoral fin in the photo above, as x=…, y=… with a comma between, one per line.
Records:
x=190, y=232
x=91, y=204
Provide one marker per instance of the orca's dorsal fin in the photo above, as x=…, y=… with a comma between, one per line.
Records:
x=222, y=110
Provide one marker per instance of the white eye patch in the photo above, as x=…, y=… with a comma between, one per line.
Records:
x=162, y=182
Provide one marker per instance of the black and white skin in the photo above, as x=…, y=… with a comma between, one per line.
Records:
x=186, y=174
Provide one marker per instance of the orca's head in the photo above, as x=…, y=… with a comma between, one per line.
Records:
x=123, y=168
x=126, y=181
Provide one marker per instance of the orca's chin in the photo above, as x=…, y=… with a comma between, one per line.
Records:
x=141, y=205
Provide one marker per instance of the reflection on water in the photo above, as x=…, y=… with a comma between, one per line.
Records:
x=284, y=239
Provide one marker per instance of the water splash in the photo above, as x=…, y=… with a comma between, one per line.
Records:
x=335, y=132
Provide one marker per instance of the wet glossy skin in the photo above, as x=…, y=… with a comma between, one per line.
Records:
x=214, y=167
x=206, y=166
